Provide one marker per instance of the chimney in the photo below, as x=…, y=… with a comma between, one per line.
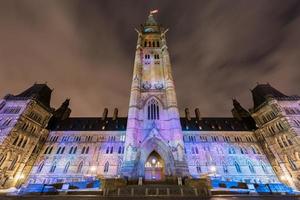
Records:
x=187, y=114
x=197, y=113
x=105, y=112
x=115, y=116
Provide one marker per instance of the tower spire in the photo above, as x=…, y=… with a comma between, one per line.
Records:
x=153, y=122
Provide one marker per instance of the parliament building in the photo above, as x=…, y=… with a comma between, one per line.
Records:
x=42, y=144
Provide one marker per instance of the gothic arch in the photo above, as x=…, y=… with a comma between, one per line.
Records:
x=149, y=98
x=155, y=144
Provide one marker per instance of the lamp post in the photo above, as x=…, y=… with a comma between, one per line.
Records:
x=213, y=169
x=93, y=170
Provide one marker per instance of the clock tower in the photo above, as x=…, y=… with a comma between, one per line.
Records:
x=154, y=147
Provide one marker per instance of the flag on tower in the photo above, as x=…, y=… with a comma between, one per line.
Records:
x=154, y=11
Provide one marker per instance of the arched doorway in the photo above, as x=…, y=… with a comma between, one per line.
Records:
x=154, y=167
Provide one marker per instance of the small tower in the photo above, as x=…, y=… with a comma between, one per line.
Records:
x=153, y=126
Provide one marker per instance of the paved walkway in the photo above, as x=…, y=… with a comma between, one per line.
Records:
x=91, y=197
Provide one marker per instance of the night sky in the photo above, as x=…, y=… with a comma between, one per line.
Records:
x=85, y=50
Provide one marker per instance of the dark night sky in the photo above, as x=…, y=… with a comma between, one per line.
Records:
x=85, y=49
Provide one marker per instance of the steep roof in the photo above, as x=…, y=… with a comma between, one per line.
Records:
x=38, y=92
x=262, y=92
x=120, y=124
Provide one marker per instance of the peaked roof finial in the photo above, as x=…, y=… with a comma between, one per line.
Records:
x=153, y=11
x=151, y=21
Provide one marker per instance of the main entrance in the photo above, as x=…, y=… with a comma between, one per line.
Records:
x=154, y=167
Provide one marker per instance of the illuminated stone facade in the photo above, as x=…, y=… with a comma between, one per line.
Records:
x=278, y=119
x=153, y=142
x=23, y=121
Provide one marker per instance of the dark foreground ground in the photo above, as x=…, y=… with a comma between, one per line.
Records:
x=91, y=197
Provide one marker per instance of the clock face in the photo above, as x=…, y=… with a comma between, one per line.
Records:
x=149, y=30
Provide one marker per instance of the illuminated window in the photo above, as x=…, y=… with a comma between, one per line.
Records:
x=237, y=167
x=153, y=110
x=83, y=150
x=53, y=167
x=50, y=150
x=62, y=151
x=16, y=140
x=231, y=150
x=225, y=169
x=40, y=167
x=292, y=164
x=198, y=167
x=71, y=150
x=264, y=168
x=79, y=168
x=66, y=167
x=251, y=168
x=75, y=149
x=106, y=166
x=253, y=150
x=2, y=159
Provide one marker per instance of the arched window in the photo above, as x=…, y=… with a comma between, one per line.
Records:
x=153, y=110
x=231, y=150
x=20, y=142
x=71, y=150
x=50, y=150
x=58, y=150
x=80, y=167
x=53, y=167
x=87, y=150
x=106, y=166
x=157, y=43
x=66, y=167
x=24, y=143
x=2, y=159
x=253, y=149
x=111, y=149
x=83, y=150
x=46, y=150
x=292, y=163
x=198, y=167
x=196, y=150
x=13, y=163
x=16, y=140
x=279, y=143
x=40, y=167
x=107, y=150
x=251, y=168
x=75, y=149
x=153, y=44
x=62, y=151
x=264, y=167
x=237, y=167
x=120, y=150
x=193, y=150
x=242, y=151
x=225, y=168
